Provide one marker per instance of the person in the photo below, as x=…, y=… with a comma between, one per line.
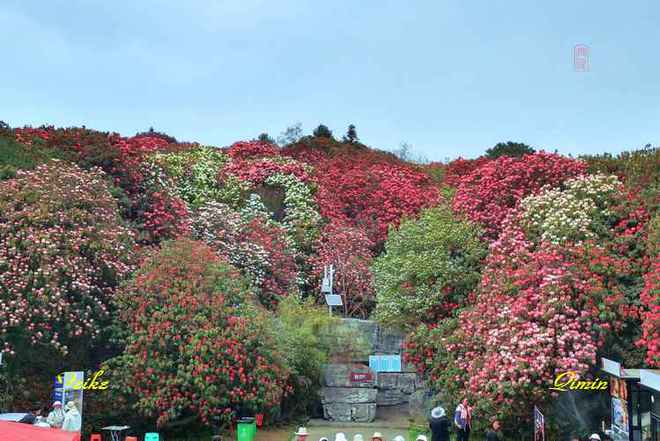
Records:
x=439, y=424
x=72, y=420
x=301, y=434
x=398, y=438
x=56, y=416
x=463, y=420
x=31, y=417
x=594, y=437
x=421, y=437
x=377, y=436
x=492, y=434
x=340, y=437
x=358, y=437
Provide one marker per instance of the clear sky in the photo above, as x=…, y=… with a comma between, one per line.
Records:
x=448, y=77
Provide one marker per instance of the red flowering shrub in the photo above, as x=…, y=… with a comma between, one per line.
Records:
x=348, y=249
x=195, y=344
x=372, y=195
x=487, y=194
x=650, y=299
x=63, y=252
x=458, y=168
x=258, y=170
x=251, y=149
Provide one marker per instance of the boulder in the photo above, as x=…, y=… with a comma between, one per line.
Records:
x=348, y=395
x=339, y=375
x=387, y=380
x=344, y=412
x=391, y=397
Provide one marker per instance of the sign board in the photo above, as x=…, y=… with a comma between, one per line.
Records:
x=361, y=377
x=612, y=367
x=619, y=400
x=539, y=425
x=333, y=300
x=328, y=275
x=385, y=363
x=69, y=387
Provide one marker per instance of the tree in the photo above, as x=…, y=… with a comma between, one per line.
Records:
x=290, y=135
x=429, y=267
x=156, y=134
x=351, y=135
x=508, y=148
x=322, y=131
x=264, y=137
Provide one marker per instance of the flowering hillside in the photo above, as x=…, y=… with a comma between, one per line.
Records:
x=174, y=264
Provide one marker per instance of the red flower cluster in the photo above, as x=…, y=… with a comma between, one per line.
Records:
x=458, y=168
x=256, y=171
x=197, y=346
x=251, y=149
x=650, y=299
x=488, y=193
x=360, y=190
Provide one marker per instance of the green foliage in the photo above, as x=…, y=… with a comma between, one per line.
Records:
x=195, y=175
x=508, y=148
x=322, y=131
x=429, y=267
x=638, y=169
x=15, y=156
x=351, y=135
x=299, y=326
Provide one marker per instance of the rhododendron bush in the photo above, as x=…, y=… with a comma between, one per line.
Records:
x=428, y=268
x=488, y=193
x=650, y=299
x=259, y=248
x=63, y=252
x=195, y=344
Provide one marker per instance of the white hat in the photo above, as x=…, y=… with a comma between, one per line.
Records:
x=340, y=437
x=57, y=403
x=302, y=431
x=323, y=438
x=421, y=437
x=70, y=405
x=595, y=436
x=399, y=438
x=358, y=437
x=438, y=412
x=377, y=435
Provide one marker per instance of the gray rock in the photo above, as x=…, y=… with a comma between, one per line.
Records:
x=407, y=382
x=391, y=397
x=339, y=375
x=363, y=413
x=337, y=412
x=387, y=380
x=348, y=395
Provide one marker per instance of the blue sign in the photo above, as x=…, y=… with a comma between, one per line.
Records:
x=385, y=363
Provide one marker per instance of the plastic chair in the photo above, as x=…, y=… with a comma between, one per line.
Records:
x=151, y=436
x=95, y=437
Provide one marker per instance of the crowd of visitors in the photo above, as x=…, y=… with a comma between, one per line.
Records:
x=66, y=419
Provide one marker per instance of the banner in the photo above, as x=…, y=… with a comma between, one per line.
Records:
x=539, y=425
x=619, y=394
x=69, y=387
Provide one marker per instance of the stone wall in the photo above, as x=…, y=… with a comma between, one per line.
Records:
x=347, y=397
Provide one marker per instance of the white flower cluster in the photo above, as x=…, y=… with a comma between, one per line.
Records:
x=573, y=213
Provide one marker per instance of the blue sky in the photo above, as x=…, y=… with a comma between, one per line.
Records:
x=448, y=77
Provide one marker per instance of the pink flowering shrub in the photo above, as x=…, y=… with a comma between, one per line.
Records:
x=488, y=193
x=251, y=149
x=650, y=315
x=63, y=252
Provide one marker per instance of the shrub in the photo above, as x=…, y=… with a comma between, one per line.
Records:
x=488, y=193
x=63, y=252
x=429, y=267
x=196, y=346
x=508, y=149
x=650, y=300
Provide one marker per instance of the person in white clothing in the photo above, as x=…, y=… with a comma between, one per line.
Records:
x=72, y=418
x=56, y=416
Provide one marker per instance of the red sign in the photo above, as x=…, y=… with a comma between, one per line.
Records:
x=361, y=377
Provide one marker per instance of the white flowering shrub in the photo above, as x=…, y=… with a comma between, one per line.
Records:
x=578, y=211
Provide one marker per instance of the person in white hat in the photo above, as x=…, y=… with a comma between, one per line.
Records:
x=56, y=416
x=340, y=437
x=302, y=434
x=377, y=436
x=421, y=437
x=72, y=419
x=595, y=437
x=358, y=437
x=399, y=438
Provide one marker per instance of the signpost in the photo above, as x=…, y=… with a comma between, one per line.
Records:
x=361, y=377
x=326, y=288
x=539, y=425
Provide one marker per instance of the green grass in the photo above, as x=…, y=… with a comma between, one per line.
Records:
x=15, y=156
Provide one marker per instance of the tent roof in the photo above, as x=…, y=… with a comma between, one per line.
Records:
x=10, y=431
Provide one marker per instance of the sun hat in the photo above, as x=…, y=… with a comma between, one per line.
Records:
x=438, y=412
x=323, y=438
x=57, y=403
x=595, y=436
x=399, y=438
x=70, y=405
x=421, y=437
x=358, y=437
x=377, y=435
x=340, y=437
x=302, y=431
